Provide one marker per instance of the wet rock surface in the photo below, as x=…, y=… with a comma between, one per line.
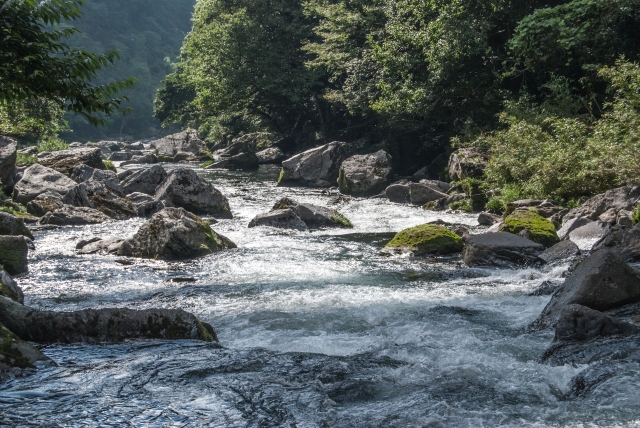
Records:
x=181, y=146
x=9, y=288
x=144, y=181
x=282, y=219
x=314, y=216
x=501, y=249
x=16, y=354
x=426, y=239
x=560, y=252
x=68, y=215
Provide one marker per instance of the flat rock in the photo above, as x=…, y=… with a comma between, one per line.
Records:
x=69, y=215
x=282, y=219
x=587, y=236
x=501, y=249
x=184, y=188
x=10, y=225
x=65, y=161
x=144, y=180
x=562, y=251
x=365, y=174
x=13, y=253
x=38, y=179
x=8, y=156
x=602, y=281
x=318, y=167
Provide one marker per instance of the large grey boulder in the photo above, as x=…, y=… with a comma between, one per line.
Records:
x=184, y=188
x=365, y=174
x=84, y=173
x=500, y=249
x=8, y=155
x=579, y=323
x=571, y=225
x=400, y=193
x=562, y=251
x=612, y=201
x=468, y=163
x=145, y=180
x=143, y=205
x=282, y=219
x=624, y=242
x=65, y=161
x=68, y=215
x=38, y=179
x=587, y=236
x=272, y=155
x=45, y=202
x=181, y=146
x=602, y=281
x=9, y=288
x=13, y=253
x=98, y=245
x=240, y=161
x=102, y=325
x=174, y=234
x=420, y=194
x=16, y=354
x=314, y=216
x=318, y=167
x=97, y=195
x=10, y=225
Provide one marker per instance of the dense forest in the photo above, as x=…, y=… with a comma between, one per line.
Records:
x=147, y=35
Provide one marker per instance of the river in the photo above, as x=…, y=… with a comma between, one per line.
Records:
x=316, y=329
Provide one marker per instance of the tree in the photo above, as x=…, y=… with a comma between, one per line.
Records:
x=35, y=61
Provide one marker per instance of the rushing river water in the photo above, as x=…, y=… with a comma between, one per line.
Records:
x=316, y=330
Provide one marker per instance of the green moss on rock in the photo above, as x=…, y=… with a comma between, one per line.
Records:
x=541, y=230
x=427, y=239
x=16, y=353
x=636, y=215
x=341, y=220
x=285, y=176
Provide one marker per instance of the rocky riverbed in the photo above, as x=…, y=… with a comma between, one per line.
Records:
x=315, y=328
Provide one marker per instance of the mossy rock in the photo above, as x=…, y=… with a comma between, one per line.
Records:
x=540, y=229
x=16, y=353
x=13, y=254
x=427, y=239
x=285, y=176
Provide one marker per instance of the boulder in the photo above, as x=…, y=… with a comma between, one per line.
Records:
x=438, y=185
x=501, y=249
x=107, y=146
x=625, y=218
x=426, y=239
x=84, y=173
x=611, y=202
x=69, y=215
x=121, y=156
x=97, y=245
x=421, y=194
x=602, y=281
x=571, y=225
x=134, y=146
x=468, y=163
x=365, y=174
x=13, y=253
x=97, y=195
x=65, y=161
x=539, y=229
x=102, y=325
x=48, y=201
x=579, y=323
x=271, y=155
x=318, y=167
x=143, y=205
x=443, y=204
x=181, y=146
x=281, y=219
x=624, y=242
x=184, y=188
x=10, y=225
x=314, y=216
x=241, y=161
x=398, y=193
x=489, y=219
x=38, y=179
x=587, y=236
x=174, y=234
x=8, y=155
x=148, y=158
x=9, y=288
x=16, y=354
x=144, y=180
x=562, y=251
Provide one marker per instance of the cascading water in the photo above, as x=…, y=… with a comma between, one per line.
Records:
x=317, y=330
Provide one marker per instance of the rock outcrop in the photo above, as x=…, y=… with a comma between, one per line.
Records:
x=8, y=155
x=501, y=249
x=562, y=251
x=579, y=323
x=181, y=146
x=318, y=167
x=426, y=239
x=624, y=242
x=281, y=219
x=184, y=188
x=102, y=325
x=144, y=180
x=365, y=174
x=38, y=179
x=602, y=281
x=65, y=161
x=468, y=163
x=13, y=253
x=174, y=234
x=10, y=225
x=539, y=229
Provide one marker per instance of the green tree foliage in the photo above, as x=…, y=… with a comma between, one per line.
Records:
x=147, y=35
x=37, y=64
x=242, y=69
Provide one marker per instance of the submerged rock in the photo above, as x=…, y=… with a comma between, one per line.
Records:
x=38, y=179
x=602, y=281
x=282, y=219
x=144, y=180
x=184, y=188
x=318, y=167
x=10, y=225
x=16, y=353
x=364, y=174
x=174, y=234
x=65, y=161
x=314, y=216
x=102, y=325
x=501, y=249
x=98, y=245
x=13, y=253
x=540, y=229
x=427, y=239
x=9, y=288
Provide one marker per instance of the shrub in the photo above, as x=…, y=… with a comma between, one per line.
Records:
x=25, y=160
x=109, y=165
x=636, y=215
x=53, y=144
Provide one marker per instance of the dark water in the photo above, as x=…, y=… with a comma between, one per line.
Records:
x=316, y=330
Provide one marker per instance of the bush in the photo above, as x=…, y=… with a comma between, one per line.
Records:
x=26, y=160
x=109, y=165
x=52, y=145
